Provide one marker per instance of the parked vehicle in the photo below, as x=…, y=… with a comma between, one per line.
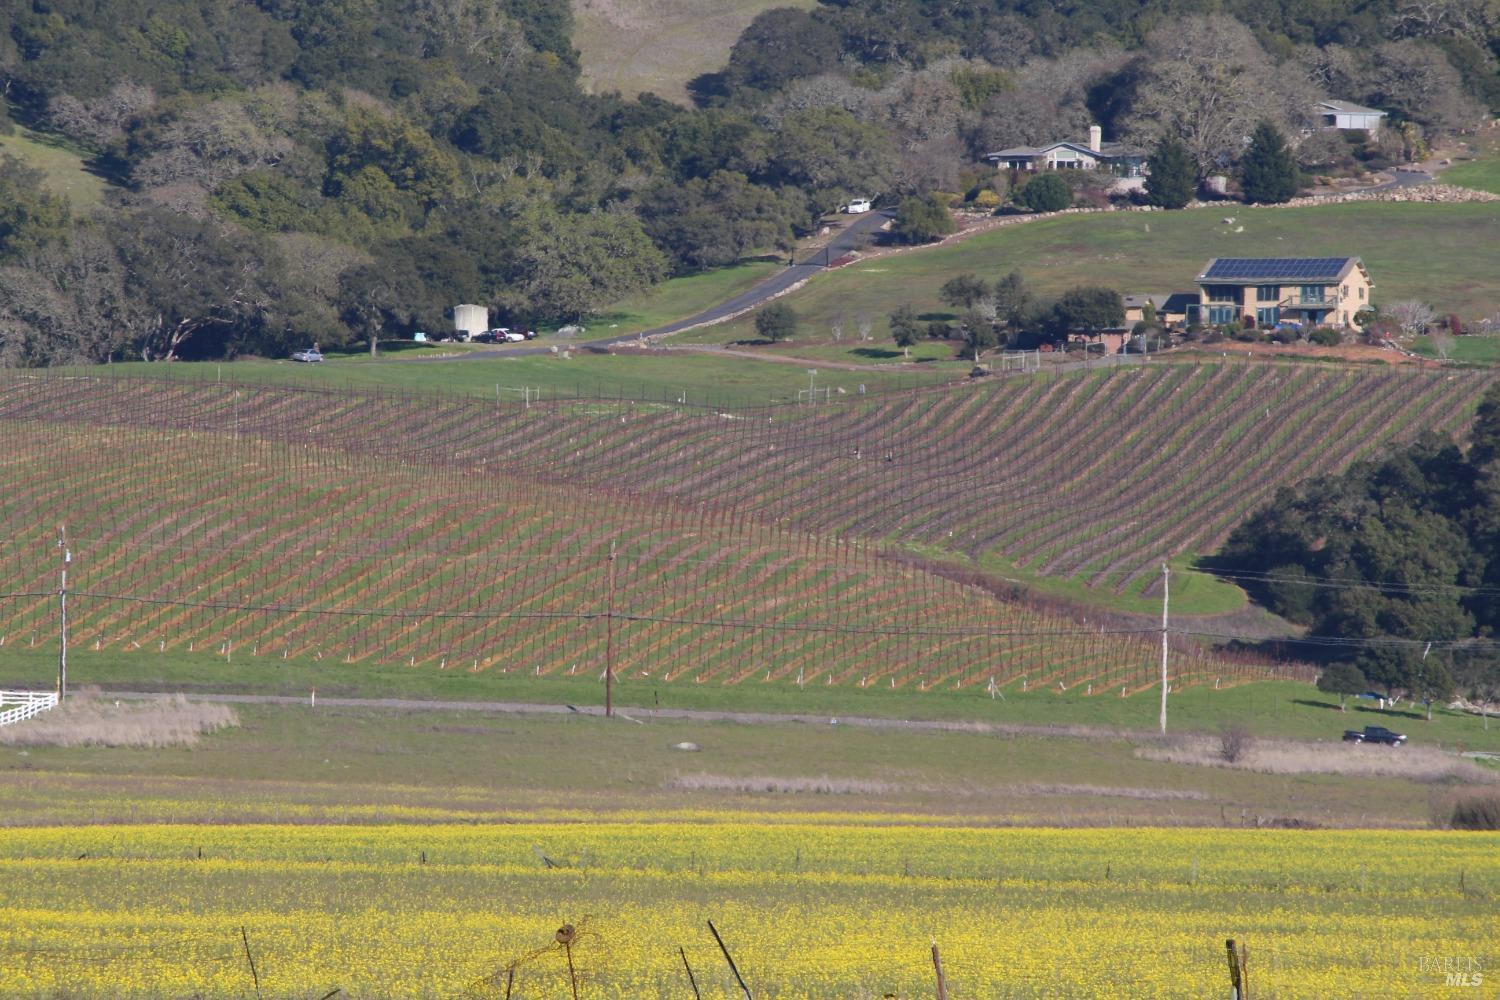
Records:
x=1374, y=734
x=514, y=336
x=858, y=206
x=310, y=355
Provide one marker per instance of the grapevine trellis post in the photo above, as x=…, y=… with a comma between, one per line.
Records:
x=609, y=641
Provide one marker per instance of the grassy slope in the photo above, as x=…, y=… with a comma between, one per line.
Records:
x=659, y=45
x=1474, y=349
x=64, y=167
x=727, y=380
x=680, y=297
x=1444, y=254
x=1483, y=171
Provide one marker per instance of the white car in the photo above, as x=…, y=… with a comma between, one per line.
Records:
x=514, y=336
x=312, y=354
x=858, y=206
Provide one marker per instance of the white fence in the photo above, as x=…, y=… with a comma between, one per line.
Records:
x=18, y=706
x=1021, y=361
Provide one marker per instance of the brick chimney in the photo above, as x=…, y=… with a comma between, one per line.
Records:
x=1096, y=137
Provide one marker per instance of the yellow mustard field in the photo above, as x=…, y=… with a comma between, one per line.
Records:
x=839, y=907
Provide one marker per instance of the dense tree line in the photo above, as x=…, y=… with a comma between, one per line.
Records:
x=1394, y=566
x=353, y=168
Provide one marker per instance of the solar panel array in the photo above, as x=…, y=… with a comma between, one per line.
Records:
x=1275, y=268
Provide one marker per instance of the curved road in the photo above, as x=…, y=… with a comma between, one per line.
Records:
x=851, y=238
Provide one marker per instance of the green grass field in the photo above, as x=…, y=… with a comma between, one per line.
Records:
x=659, y=45
x=678, y=298
x=64, y=166
x=1282, y=709
x=1473, y=349
x=694, y=378
x=1443, y=254
x=1483, y=171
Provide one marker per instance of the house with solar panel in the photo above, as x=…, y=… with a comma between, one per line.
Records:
x=1282, y=291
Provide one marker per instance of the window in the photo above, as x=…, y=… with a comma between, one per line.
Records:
x=1361, y=293
x=1344, y=292
x=1312, y=293
x=1218, y=315
x=1267, y=316
x=1268, y=293
x=1222, y=293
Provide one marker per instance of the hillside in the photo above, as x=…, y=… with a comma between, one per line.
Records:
x=1440, y=254
x=263, y=524
x=1089, y=476
x=634, y=46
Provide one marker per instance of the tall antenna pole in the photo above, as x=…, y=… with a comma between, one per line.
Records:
x=609, y=641
x=1165, y=575
x=62, y=613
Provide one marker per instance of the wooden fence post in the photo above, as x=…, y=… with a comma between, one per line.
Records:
x=937, y=966
x=1239, y=980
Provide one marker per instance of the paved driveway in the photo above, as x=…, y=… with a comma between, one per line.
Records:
x=851, y=238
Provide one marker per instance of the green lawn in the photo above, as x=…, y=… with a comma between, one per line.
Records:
x=63, y=165
x=1443, y=254
x=694, y=378
x=1482, y=172
x=1475, y=349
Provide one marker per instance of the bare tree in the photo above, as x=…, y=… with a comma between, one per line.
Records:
x=1411, y=315
x=836, y=327
x=1442, y=344
x=1437, y=18
x=1206, y=81
x=207, y=146
x=864, y=323
x=100, y=120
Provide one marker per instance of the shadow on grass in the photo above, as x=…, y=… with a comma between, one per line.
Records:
x=876, y=352
x=1388, y=713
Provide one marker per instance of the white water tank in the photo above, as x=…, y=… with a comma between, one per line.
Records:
x=469, y=320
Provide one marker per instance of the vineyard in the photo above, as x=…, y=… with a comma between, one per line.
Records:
x=242, y=547
x=1091, y=475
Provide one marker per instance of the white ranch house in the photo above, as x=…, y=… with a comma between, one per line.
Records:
x=1096, y=154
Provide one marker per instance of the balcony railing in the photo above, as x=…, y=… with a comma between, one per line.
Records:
x=1308, y=302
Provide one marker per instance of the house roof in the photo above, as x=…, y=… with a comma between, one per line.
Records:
x=1138, y=300
x=1349, y=108
x=1255, y=270
x=1106, y=151
x=1177, y=303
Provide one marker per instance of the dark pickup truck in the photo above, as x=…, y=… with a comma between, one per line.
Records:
x=1374, y=734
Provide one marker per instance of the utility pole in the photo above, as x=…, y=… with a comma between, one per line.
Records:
x=62, y=615
x=609, y=641
x=1165, y=574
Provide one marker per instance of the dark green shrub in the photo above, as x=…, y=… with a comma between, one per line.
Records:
x=1046, y=193
x=1325, y=336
